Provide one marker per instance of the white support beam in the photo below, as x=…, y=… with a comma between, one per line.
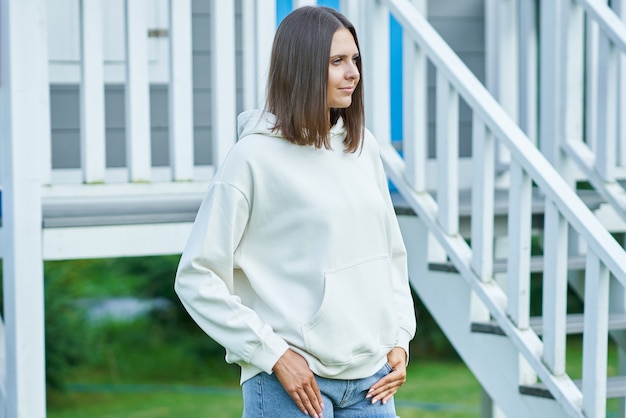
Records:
x=606, y=129
x=265, y=26
x=92, y=135
x=483, y=150
x=447, y=155
x=595, y=337
x=248, y=41
x=181, y=90
x=375, y=53
x=415, y=108
x=519, y=230
x=552, y=80
x=528, y=70
x=137, y=94
x=223, y=80
x=24, y=112
x=554, y=289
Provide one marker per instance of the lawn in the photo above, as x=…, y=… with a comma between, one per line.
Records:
x=433, y=390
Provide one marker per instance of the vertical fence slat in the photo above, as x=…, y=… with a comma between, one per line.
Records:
x=447, y=155
x=248, y=59
x=595, y=337
x=619, y=6
x=223, y=80
x=551, y=75
x=574, y=74
x=554, y=289
x=375, y=52
x=528, y=83
x=591, y=83
x=607, y=111
x=519, y=230
x=181, y=90
x=265, y=24
x=483, y=156
x=92, y=93
x=415, y=120
x=137, y=94
x=24, y=124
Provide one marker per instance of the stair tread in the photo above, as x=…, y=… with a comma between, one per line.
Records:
x=574, y=324
x=615, y=388
x=500, y=265
x=501, y=201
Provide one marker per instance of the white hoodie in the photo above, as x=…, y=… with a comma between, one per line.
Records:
x=298, y=247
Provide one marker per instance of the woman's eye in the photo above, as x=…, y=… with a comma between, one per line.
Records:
x=337, y=61
x=356, y=58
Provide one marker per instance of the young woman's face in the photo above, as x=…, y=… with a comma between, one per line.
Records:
x=343, y=74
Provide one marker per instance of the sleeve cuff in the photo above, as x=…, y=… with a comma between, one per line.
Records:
x=268, y=352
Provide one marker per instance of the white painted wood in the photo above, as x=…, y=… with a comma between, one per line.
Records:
x=377, y=92
x=574, y=72
x=24, y=123
x=493, y=359
x=115, y=241
x=528, y=77
x=181, y=90
x=447, y=137
x=519, y=232
x=619, y=6
x=554, y=289
x=92, y=136
x=415, y=113
x=531, y=160
x=551, y=75
x=591, y=83
x=223, y=80
x=491, y=46
x=507, y=61
x=595, y=337
x=249, y=72
x=607, y=108
x=265, y=24
x=301, y=3
x=137, y=94
x=483, y=150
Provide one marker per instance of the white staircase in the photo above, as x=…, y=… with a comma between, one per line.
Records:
x=473, y=271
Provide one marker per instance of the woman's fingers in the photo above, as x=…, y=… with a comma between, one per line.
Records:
x=299, y=382
x=385, y=388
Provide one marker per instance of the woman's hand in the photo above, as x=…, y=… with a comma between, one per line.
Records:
x=386, y=387
x=293, y=372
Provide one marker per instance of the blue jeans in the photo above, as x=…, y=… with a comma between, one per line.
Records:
x=265, y=397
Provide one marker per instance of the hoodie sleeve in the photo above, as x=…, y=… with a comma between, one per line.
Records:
x=400, y=278
x=204, y=281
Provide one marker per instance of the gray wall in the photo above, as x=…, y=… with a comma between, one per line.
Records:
x=460, y=22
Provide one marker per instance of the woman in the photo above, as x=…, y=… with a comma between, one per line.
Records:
x=295, y=263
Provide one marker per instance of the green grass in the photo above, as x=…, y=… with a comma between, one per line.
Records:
x=433, y=390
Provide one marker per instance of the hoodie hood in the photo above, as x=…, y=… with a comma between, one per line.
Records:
x=258, y=122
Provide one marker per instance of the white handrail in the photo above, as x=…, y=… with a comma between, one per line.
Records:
x=563, y=208
x=498, y=122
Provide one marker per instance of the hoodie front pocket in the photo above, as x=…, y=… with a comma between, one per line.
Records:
x=356, y=317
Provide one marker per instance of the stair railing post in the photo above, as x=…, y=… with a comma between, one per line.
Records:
x=415, y=108
x=180, y=94
x=137, y=93
x=223, y=82
x=24, y=122
x=377, y=69
x=92, y=131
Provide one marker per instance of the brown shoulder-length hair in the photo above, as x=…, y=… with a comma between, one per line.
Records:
x=298, y=80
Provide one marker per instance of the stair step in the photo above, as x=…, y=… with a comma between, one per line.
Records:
x=501, y=202
x=500, y=265
x=575, y=324
x=615, y=388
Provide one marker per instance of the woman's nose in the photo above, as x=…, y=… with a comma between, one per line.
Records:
x=352, y=72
